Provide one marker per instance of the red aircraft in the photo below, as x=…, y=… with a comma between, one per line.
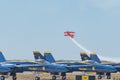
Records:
x=69, y=33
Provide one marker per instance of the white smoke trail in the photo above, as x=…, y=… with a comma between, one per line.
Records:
x=80, y=46
x=87, y=51
x=112, y=59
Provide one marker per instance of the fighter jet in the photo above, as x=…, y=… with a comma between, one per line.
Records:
x=11, y=68
x=76, y=66
x=94, y=57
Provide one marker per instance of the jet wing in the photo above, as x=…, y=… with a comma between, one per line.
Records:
x=43, y=68
x=30, y=65
x=4, y=69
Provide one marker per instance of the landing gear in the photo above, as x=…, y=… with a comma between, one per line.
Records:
x=63, y=74
x=2, y=78
x=53, y=77
x=37, y=78
x=99, y=77
x=14, y=78
x=63, y=77
x=108, y=75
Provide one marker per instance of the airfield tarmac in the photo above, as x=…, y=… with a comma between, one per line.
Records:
x=47, y=76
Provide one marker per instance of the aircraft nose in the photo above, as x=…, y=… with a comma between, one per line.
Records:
x=106, y=68
x=117, y=68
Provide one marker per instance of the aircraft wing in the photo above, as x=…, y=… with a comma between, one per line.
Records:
x=30, y=65
x=43, y=67
x=4, y=69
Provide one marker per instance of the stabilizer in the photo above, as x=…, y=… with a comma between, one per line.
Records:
x=37, y=55
x=93, y=56
x=2, y=58
x=84, y=56
x=49, y=57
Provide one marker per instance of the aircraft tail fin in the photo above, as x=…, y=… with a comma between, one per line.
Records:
x=49, y=57
x=2, y=58
x=84, y=56
x=37, y=55
x=93, y=56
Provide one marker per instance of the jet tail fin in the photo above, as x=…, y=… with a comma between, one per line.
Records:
x=93, y=56
x=84, y=56
x=2, y=58
x=39, y=57
x=49, y=57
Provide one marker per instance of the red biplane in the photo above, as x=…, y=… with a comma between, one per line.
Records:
x=69, y=33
